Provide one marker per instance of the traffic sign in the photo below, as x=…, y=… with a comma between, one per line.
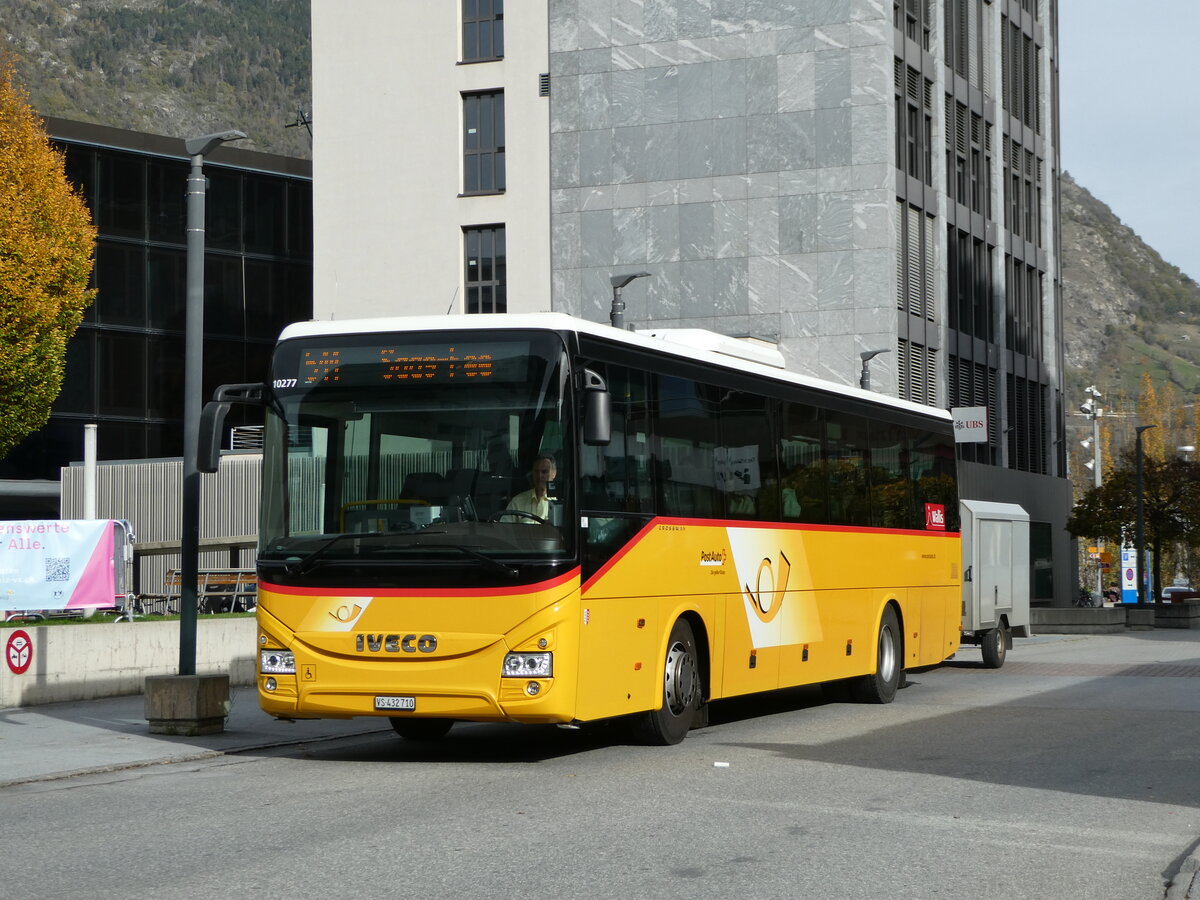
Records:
x=18, y=652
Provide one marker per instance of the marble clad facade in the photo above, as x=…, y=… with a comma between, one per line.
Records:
x=741, y=153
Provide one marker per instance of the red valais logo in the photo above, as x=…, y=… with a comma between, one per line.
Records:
x=935, y=517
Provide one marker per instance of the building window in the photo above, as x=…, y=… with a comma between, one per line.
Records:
x=914, y=261
x=966, y=37
x=1027, y=418
x=483, y=143
x=914, y=123
x=1023, y=312
x=486, y=270
x=912, y=17
x=1020, y=67
x=968, y=158
x=916, y=368
x=483, y=30
x=1022, y=192
x=969, y=284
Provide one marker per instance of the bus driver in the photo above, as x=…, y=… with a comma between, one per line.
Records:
x=536, y=500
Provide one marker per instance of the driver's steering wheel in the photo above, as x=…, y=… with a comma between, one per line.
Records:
x=497, y=516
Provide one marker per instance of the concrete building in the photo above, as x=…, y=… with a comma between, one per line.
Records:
x=836, y=176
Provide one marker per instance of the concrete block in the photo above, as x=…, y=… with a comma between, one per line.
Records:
x=1076, y=620
x=1139, y=618
x=1177, y=615
x=187, y=704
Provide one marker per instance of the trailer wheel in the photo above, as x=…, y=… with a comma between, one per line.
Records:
x=881, y=686
x=669, y=723
x=420, y=729
x=995, y=647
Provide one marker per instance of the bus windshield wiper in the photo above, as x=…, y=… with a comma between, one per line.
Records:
x=305, y=564
x=493, y=565
x=301, y=566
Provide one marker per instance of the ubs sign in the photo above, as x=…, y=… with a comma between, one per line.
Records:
x=970, y=424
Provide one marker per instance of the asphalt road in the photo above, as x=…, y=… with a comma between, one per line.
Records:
x=1072, y=772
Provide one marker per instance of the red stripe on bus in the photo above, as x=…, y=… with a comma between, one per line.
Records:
x=802, y=526
x=547, y=585
x=739, y=523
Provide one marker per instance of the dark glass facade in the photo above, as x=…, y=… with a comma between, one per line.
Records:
x=124, y=367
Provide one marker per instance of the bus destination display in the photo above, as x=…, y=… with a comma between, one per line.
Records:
x=392, y=364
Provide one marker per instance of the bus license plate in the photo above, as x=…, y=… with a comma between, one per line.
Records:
x=395, y=702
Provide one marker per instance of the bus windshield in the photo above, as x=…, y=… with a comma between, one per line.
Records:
x=397, y=454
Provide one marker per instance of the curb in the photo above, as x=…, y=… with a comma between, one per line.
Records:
x=1181, y=886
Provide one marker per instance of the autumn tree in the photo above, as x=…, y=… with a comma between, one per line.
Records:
x=1170, y=506
x=46, y=246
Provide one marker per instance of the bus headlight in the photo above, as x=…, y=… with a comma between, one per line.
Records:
x=528, y=665
x=277, y=662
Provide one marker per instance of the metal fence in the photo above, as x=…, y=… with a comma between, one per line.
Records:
x=149, y=495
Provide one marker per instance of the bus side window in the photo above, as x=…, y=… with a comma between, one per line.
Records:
x=686, y=447
x=616, y=476
x=933, y=476
x=803, y=484
x=750, y=475
x=891, y=483
x=846, y=447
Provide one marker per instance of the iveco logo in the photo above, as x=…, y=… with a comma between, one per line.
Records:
x=395, y=643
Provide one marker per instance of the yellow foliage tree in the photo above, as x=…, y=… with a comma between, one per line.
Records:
x=47, y=242
x=1158, y=409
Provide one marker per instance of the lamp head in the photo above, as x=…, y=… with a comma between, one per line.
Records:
x=619, y=281
x=205, y=144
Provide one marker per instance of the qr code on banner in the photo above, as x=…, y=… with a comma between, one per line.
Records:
x=58, y=568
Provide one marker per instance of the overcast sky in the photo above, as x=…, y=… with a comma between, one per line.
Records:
x=1129, y=94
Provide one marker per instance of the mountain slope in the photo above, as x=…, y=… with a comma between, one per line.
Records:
x=172, y=67
x=1127, y=311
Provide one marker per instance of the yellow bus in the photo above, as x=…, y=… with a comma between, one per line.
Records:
x=534, y=518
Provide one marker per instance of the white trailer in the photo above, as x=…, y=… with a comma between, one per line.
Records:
x=995, y=548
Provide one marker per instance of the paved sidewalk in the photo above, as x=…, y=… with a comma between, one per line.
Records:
x=56, y=740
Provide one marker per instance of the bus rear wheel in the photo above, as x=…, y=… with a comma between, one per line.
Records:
x=881, y=686
x=681, y=692
x=420, y=729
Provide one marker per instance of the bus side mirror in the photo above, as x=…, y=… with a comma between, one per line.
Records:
x=597, y=410
x=212, y=421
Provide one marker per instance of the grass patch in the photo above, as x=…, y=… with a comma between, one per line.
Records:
x=109, y=617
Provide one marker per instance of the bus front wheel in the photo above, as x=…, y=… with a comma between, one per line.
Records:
x=680, y=692
x=881, y=686
x=420, y=729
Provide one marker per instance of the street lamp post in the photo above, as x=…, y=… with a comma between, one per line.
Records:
x=1091, y=409
x=1181, y=548
x=1140, y=534
x=617, y=315
x=864, y=377
x=193, y=384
